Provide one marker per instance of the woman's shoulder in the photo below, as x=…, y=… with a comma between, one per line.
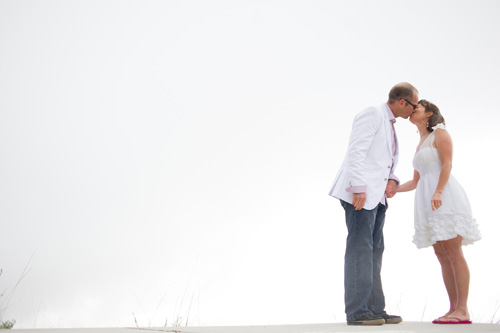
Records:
x=440, y=131
x=439, y=126
x=441, y=134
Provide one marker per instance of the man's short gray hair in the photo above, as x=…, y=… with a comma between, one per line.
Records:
x=401, y=90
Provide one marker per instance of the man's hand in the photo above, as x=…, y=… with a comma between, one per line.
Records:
x=390, y=189
x=358, y=200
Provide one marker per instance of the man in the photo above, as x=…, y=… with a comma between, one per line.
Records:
x=363, y=186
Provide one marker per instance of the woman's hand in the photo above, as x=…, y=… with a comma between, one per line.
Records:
x=436, y=201
x=390, y=189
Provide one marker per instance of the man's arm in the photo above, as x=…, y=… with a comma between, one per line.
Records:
x=363, y=131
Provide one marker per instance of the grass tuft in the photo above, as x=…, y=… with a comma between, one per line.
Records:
x=7, y=325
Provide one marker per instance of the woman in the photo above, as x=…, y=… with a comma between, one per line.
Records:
x=443, y=216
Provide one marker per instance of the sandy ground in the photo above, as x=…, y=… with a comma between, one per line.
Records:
x=405, y=327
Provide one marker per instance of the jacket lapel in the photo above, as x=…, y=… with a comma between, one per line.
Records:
x=388, y=131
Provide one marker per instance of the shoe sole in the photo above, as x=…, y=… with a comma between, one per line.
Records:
x=393, y=321
x=367, y=322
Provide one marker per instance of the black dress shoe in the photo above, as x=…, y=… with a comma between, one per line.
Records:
x=391, y=319
x=366, y=320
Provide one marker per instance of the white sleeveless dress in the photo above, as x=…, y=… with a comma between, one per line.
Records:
x=454, y=217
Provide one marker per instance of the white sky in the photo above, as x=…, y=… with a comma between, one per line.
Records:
x=172, y=159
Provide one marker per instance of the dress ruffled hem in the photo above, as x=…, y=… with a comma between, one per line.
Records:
x=442, y=227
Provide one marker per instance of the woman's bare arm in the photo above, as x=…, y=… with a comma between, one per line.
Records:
x=409, y=185
x=444, y=146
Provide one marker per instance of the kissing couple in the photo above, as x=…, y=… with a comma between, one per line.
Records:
x=442, y=213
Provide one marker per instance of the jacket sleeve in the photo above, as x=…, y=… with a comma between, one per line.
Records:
x=364, y=128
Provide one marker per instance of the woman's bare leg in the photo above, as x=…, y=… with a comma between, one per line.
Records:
x=448, y=276
x=453, y=248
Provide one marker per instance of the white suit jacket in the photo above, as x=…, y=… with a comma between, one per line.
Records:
x=368, y=161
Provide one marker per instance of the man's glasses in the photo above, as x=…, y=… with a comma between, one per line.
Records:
x=413, y=105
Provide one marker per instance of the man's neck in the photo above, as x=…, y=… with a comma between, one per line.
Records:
x=393, y=110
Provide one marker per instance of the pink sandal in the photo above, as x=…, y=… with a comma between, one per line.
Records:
x=451, y=320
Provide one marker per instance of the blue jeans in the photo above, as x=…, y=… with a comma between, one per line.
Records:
x=363, y=261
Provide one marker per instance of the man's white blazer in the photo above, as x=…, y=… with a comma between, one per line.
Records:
x=368, y=160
